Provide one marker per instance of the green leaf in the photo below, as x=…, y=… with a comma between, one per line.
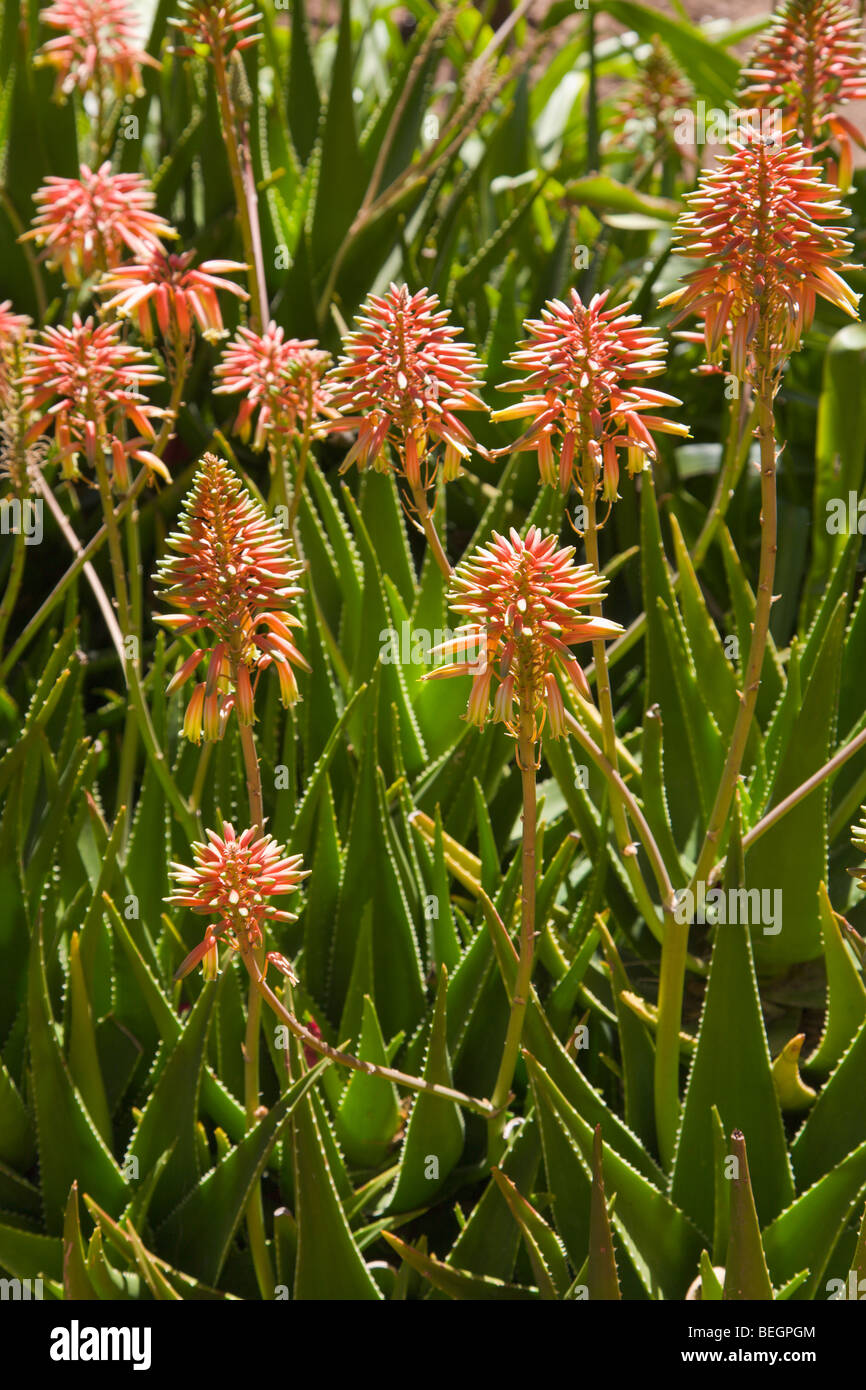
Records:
x=718, y=683
x=303, y=102
x=662, y=1235
x=743, y=603
x=836, y=1124
x=545, y=1250
x=457, y=1283
x=746, y=1273
x=329, y=1264
x=806, y=1233
x=70, y=1146
x=435, y=1129
x=17, y=1139
x=198, y=1233
x=369, y=1112
x=711, y=1289
x=342, y=176
x=636, y=1049
x=601, y=1276
x=608, y=194
x=846, y=993
x=731, y=1071
x=76, y=1281
x=840, y=453
x=489, y=1242
x=83, y=1057
x=370, y=875
x=27, y=1255
x=665, y=650
x=172, y=1109
x=799, y=839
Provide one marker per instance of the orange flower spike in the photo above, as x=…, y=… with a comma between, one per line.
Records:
x=645, y=119
x=280, y=378
x=222, y=25
x=89, y=223
x=234, y=878
x=524, y=598
x=583, y=368
x=809, y=63
x=762, y=222
x=232, y=574
x=99, y=38
x=86, y=385
x=401, y=381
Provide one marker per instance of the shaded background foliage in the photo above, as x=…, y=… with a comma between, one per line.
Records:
x=374, y=777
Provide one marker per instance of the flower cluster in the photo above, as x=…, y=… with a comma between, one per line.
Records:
x=762, y=223
x=810, y=62
x=232, y=573
x=401, y=378
x=222, y=25
x=234, y=878
x=281, y=378
x=523, y=597
x=98, y=49
x=578, y=365
x=170, y=288
x=13, y=331
x=89, y=223
x=87, y=385
x=648, y=111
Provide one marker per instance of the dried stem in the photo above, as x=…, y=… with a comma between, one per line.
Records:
x=526, y=761
x=345, y=1059
x=425, y=516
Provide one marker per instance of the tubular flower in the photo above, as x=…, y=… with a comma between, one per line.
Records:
x=402, y=377
x=649, y=109
x=811, y=62
x=577, y=367
x=223, y=27
x=99, y=49
x=233, y=573
x=87, y=385
x=89, y=223
x=13, y=331
x=761, y=223
x=178, y=295
x=233, y=879
x=523, y=597
x=281, y=378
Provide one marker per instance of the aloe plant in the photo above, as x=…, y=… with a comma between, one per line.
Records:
x=322, y=345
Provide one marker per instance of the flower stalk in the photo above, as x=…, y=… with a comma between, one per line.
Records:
x=763, y=225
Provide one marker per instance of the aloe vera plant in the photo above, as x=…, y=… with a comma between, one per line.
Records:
x=504, y=939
